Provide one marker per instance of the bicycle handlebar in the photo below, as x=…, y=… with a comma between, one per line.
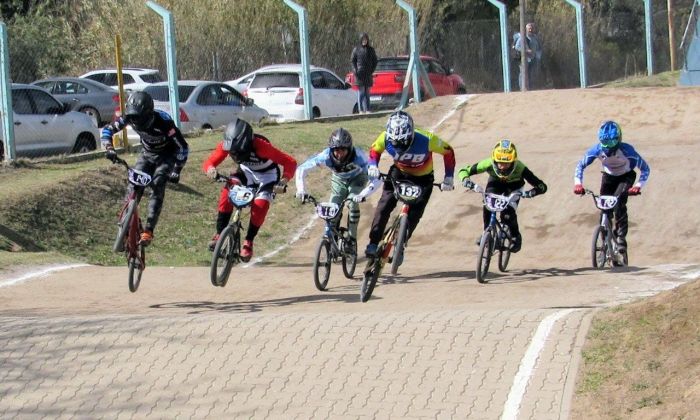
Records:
x=386, y=175
x=311, y=199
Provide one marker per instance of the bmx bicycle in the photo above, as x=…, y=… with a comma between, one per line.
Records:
x=497, y=235
x=391, y=247
x=227, y=251
x=130, y=226
x=335, y=244
x=604, y=248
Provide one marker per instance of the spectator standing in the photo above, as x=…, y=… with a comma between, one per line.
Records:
x=364, y=62
x=533, y=51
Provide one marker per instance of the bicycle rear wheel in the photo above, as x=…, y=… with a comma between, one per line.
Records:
x=225, y=255
x=504, y=252
x=599, y=247
x=322, y=264
x=485, y=251
x=371, y=275
x=123, y=226
x=349, y=257
x=136, y=266
x=399, y=244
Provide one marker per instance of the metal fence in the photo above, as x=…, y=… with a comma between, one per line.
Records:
x=471, y=48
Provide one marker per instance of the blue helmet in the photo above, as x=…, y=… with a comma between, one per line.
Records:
x=610, y=135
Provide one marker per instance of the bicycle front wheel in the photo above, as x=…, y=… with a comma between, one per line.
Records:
x=225, y=255
x=123, y=226
x=399, y=244
x=504, y=251
x=599, y=247
x=349, y=257
x=322, y=264
x=485, y=251
x=371, y=275
x=136, y=266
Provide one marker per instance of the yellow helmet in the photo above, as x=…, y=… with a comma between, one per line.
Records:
x=504, y=152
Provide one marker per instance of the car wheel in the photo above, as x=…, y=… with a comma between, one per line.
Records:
x=316, y=113
x=93, y=114
x=85, y=143
x=461, y=91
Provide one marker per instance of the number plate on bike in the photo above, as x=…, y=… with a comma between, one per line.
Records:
x=327, y=211
x=605, y=202
x=408, y=192
x=496, y=202
x=240, y=196
x=139, y=178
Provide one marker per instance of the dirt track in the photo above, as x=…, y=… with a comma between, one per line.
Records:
x=431, y=342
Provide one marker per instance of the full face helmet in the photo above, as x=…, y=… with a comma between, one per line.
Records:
x=238, y=139
x=340, y=139
x=504, y=152
x=399, y=131
x=610, y=135
x=139, y=111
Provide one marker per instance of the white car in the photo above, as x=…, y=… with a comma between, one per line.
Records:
x=134, y=78
x=206, y=105
x=241, y=84
x=279, y=91
x=44, y=126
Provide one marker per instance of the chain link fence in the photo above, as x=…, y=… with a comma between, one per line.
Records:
x=213, y=43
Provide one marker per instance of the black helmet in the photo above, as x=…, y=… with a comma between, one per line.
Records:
x=139, y=110
x=340, y=139
x=238, y=139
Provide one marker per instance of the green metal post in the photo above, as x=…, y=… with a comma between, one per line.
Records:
x=647, y=31
x=581, y=41
x=415, y=67
x=503, y=20
x=6, y=115
x=305, y=66
x=170, y=55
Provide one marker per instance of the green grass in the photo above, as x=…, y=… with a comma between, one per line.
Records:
x=67, y=211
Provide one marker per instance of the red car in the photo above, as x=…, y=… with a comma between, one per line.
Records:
x=391, y=72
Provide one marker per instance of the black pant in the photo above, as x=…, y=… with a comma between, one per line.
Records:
x=159, y=167
x=388, y=201
x=614, y=185
x=508, y=216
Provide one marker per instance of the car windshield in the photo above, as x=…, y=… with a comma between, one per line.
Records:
x=151, y=78
x=162, y=94
x=271, y=80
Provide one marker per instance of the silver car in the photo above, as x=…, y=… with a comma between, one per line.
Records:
x=84, y=95
x=44, y=126
x=206, y=105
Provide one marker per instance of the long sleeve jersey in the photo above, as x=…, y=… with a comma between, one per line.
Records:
x=621, y=161
x=417, y=160
x=516, y=179
x=348, y=171
x=262, y=157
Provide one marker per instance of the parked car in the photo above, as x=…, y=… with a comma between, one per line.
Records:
x=134, y=78
x=241, y=84
x=206, y=105
x=44, y=126
x=279, y=91
x=389, y=76
x=83, y=95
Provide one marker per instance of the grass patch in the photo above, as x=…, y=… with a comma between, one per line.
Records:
x=665, y=79
x=69, y=209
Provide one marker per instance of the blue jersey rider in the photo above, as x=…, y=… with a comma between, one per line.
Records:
x=164, y=151
x=619, y=161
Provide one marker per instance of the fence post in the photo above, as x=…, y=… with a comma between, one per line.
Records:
x=647, y=31
x=304, y=46
x=170, y=50
x=6, y=113
x=415, y=69
x=581, y=41
x=505, y=57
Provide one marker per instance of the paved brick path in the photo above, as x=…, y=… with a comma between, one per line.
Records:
x=438, y=365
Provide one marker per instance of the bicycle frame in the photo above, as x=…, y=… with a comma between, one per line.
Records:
x=609, y=251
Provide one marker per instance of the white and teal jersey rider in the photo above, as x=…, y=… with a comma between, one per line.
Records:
x=615, y=162
x=347, y=178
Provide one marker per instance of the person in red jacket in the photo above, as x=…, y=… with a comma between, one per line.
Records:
x=258, y=162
